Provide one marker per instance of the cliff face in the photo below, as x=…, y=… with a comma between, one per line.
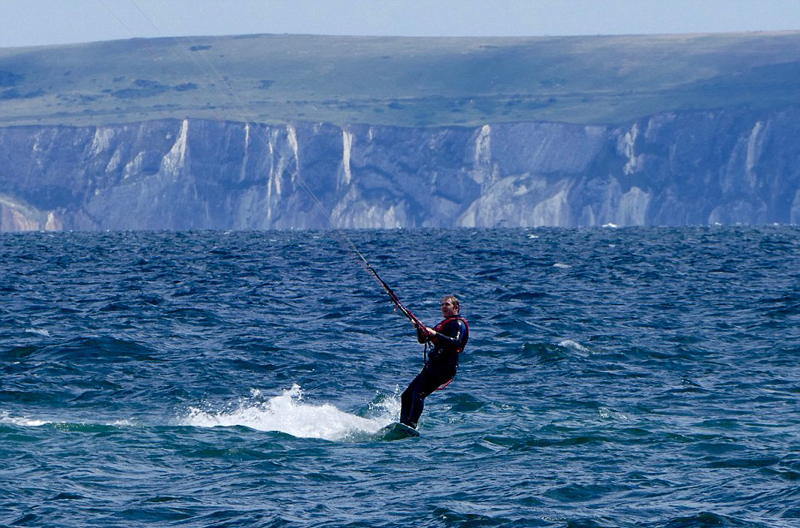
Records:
x=669, y=169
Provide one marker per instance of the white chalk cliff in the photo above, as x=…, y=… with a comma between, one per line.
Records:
x=670, y=169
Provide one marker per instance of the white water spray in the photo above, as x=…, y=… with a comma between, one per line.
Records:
x=288, y=413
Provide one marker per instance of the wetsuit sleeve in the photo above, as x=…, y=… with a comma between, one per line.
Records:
x=453, y=335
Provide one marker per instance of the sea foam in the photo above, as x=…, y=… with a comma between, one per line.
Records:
x=21, y=421
x=288, y=413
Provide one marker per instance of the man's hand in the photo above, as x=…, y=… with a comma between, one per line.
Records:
x=426, y=331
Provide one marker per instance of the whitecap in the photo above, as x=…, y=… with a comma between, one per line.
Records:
x=21, y=421
x=609, y=414
x=124, y=422
x=569, y=343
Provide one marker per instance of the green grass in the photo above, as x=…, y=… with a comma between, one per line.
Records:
x=397, y=81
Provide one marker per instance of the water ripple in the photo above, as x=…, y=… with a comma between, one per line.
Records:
x=642, y=378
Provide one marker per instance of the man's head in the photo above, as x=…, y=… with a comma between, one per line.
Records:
x=450, y=306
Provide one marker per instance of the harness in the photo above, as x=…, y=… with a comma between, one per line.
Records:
x=439, y=328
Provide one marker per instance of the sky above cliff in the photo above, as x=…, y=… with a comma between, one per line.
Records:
x=42, y=22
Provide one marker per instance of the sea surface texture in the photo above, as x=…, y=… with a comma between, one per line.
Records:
x=640, y=377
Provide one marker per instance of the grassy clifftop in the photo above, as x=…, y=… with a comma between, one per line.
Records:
x=397, y=81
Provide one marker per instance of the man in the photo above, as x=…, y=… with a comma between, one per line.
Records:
x=448, y=339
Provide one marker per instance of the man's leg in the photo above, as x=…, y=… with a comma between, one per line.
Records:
x=413, y=398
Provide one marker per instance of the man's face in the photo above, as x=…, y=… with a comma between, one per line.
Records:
x=449, y=308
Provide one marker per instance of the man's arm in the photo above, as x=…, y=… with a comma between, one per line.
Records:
x=452, y=334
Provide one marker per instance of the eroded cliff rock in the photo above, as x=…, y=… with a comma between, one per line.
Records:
x=669, y=169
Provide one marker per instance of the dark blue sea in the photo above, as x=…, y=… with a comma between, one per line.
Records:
x=641, y=377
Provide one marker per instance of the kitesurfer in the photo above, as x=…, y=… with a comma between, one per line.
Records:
x=448, y=338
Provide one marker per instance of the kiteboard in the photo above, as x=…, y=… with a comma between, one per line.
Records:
x=397, y=431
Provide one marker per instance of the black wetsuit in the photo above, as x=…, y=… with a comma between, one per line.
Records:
x=439, y=369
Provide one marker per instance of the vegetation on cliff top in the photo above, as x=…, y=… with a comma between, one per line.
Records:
x=397, y=81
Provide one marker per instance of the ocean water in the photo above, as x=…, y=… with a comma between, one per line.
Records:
x=614, y=378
